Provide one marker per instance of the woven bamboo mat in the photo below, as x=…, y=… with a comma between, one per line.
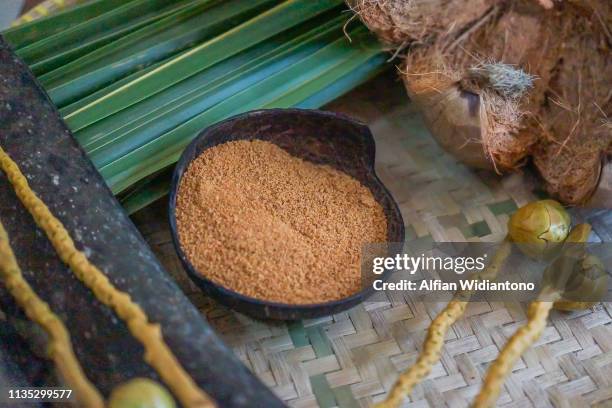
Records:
x=353, y=358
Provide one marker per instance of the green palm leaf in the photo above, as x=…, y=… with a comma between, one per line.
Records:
x=33, y=31
x=132, y=12
x=201, y=57
x=168, y=109
x=158, y=41
x=86, y=46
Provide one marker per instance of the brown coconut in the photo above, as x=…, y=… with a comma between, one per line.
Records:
x=576, y=132
x=565, y=45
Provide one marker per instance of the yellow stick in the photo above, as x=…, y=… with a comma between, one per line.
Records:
x=437, y=332
x=514, y=348
x=157, y=352
x=60, y=347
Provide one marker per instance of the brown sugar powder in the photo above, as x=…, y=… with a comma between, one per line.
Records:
x=272, y=226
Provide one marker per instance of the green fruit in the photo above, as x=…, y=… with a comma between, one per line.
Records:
x=141, y=393
x=539, y=227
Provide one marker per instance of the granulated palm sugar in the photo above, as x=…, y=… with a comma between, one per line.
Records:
x=272, y=226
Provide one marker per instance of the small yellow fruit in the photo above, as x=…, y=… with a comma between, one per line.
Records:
x=141, y=393
x=539, y=227
x=579, y=277
x=586, y=286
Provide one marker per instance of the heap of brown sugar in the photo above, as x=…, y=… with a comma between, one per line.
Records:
x=272, y=226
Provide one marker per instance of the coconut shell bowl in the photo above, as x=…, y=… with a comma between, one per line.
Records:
x=319, y=137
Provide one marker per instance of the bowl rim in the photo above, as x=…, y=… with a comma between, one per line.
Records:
x=298, y=308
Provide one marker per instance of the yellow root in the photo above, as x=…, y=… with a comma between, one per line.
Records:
x=437, y=332
x=157, y=352
x=428, y=357
x=512, y=351
x=37, y=310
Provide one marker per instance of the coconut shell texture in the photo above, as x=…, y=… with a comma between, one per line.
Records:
x=560, y=124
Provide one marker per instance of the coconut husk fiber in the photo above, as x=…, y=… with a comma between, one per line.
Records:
x=502, y=84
